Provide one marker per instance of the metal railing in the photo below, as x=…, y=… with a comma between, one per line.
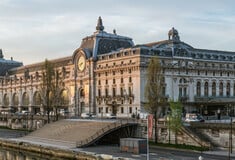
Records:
x=105, y=130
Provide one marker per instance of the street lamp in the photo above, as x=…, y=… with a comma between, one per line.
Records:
x=230, y=147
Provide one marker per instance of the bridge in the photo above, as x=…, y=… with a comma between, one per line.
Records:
x=72, y=133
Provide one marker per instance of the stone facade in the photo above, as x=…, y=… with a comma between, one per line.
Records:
x=107, y=74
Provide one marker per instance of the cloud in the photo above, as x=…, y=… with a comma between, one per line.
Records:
x=32, y=30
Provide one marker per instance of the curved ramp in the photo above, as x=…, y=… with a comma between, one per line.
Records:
x=108, y=129
x=72, y=133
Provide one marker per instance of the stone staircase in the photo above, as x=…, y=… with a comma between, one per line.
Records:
x=202, y=137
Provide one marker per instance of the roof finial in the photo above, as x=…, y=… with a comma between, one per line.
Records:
x=114, y=31
x=99, y=26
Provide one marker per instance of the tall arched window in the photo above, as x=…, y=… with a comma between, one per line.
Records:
x=15, y=99
x=198, y=88
x=228, y=89
x=37, y=99
x=213, y=89
x=206, y=89
x=6, y=100
x=64, y=98
x=25, y=99
x=221, y=89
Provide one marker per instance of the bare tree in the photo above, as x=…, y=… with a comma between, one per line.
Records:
x=57, y=87
x=153, y=91
x=46, y=86
x=51, y=87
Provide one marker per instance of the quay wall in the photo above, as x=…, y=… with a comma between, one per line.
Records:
x=55, y=152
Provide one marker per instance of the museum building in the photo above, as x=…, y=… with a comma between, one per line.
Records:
x=107, y=74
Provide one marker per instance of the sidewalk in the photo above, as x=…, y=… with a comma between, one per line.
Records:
x=221, y=152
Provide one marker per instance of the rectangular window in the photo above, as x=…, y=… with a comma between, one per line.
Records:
x=122, y=110
x=106, y=92
x=185, y=91
x=130, y=109
x=100, y=109
x=180, y=92
x=114, y=81
x=130, y=79
x=121, y=80
x=99, y=92
x=130, y=91
x=107, y=110
x=121, y=92
x=106, y=81
x=114, y=92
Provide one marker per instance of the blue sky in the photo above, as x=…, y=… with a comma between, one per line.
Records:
x=32, y=30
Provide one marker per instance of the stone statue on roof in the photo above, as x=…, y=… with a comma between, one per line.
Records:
x=173, y=35
x=99, y=26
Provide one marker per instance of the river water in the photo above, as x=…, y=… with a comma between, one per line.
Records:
x=14, y=154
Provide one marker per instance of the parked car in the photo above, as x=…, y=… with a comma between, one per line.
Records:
x=111, y=116
x=193, y=117
x=25, y=112
x=85, y=115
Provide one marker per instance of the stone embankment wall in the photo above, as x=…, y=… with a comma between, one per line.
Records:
x=55, y=152
x=22, y=122
x=220, y=134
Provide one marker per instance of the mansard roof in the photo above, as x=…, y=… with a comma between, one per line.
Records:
x=102, y=42
x=174, y=47
x=6, y=65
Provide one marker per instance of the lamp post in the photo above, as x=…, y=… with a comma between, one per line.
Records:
x=230, y=147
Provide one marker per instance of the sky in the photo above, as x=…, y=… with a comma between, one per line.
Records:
x=34, y=30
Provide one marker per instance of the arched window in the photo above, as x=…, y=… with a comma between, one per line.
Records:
x=6, y=100
x=221, y=89
x=228, y=89
x=198, y=88
x=82, y=93
x=206, y=89
x=64, y=98
x=37, y=99
x=25, y=99
x=15, y=99
x=213, y=89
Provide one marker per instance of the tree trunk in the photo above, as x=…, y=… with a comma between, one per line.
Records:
x=176, y=135
x=48, y=108
x=156, y=132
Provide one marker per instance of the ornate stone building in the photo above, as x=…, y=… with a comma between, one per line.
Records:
x=107, y=74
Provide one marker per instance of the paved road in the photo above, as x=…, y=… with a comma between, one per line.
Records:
x=157, y=153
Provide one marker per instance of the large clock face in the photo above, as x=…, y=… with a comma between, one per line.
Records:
x=81, y=63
